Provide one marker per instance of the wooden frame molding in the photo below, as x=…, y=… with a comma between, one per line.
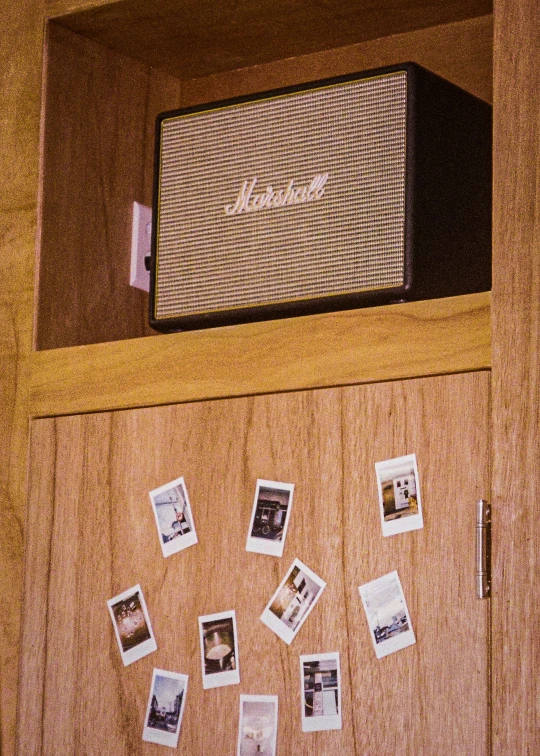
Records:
x=516, y=378
x=357, y=346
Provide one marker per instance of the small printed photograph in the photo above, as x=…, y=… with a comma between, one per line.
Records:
x=290, y=605
x=399, y=495
x=165, y=708
x=320, y=686
x=219, y=649
x=174, y=519
x=132, y=625
x=387, y=614
x=270, y=517
x=257, y=729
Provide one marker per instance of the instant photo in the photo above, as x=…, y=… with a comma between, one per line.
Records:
x=290, y=605
x=399, y=495
x=320, y=690
x=165, y=708
x=270, y=517
x=257, y=729
x=219, y=650
x=387, y=615
x=132, y=625
x=174, y=519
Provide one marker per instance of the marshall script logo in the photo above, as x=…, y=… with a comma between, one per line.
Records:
x=249, y=202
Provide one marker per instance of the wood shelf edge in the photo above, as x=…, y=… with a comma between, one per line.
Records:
x=356, y=346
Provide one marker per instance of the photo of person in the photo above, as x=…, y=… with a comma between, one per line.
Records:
x=174, y=519
x=165, y=708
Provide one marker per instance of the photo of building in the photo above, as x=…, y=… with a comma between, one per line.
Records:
x=398, y=488
x=257, y=726
x=321, y=688
x=387, y=615
x=166, y=703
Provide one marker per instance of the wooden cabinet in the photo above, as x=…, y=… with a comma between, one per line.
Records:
x=108, y=67
x=91, y=535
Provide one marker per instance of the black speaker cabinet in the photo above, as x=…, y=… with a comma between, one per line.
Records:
x=364, y=189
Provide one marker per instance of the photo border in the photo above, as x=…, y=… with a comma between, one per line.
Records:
x=398, y=642
x=410, y=522
x=263, y=545
x=316, y=724
x=184, y=541
x=147, y=646
x=277, y=625
x=262, y=699
x=152, y=734
x=228, y=677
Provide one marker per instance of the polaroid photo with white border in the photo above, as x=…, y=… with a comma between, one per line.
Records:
x=257, y=728
x=387, y=615
x=165, y=708
x=219, y=649
x=270, y=517
x=132, y=625
x=174, y=518
x=399, y=495
x=320, y=692
x=294, y=599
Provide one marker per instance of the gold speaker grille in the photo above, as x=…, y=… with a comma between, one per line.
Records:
x=349, y=239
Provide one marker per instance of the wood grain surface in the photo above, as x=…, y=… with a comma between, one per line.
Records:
x=516, y=378
x=97, y=160
x=447, y=712
x=91, y=535
x=355, y=346
x=515, y=318
x=20, y=81
x=467, y=48
x=190, y=43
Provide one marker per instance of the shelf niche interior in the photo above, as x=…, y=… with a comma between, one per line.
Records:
x=104, y=87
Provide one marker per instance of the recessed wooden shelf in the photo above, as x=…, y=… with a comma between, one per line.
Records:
x=104, y=86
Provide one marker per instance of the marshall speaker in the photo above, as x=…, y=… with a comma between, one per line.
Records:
x=360, y=190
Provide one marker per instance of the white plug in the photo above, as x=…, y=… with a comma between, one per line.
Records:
x=141, y=235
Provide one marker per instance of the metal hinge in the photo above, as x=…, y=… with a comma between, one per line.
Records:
x=483, y=549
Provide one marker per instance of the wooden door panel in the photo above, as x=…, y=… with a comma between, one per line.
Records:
x=91, y=535
x=432, y=697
